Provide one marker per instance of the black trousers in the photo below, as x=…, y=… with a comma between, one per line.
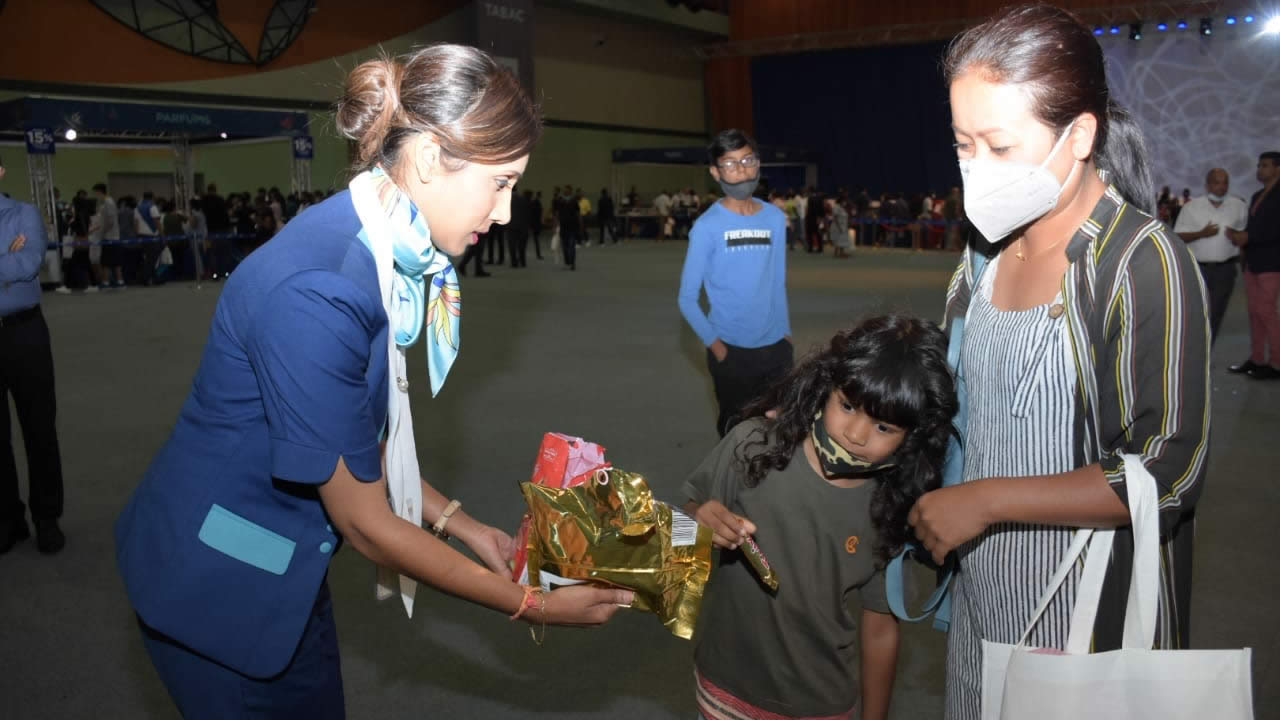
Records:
x=569, y=245
x=79, y=271
x=148, y=251
x=494, y=239
x=473, y=252
x=517, y=245
x=744, y=375
x=26, y=374
x=221, y=253
x=133, y=258
x=606, y=225
x=537, y=243
x=813, y=241
x=1219, y=282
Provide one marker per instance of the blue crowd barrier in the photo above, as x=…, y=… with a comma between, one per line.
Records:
x=224, y=253
x=152, y=240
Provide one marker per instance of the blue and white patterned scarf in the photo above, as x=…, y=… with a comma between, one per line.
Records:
x=397, y=235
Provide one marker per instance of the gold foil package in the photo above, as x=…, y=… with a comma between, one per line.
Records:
x=611, y=531
x=759, y=563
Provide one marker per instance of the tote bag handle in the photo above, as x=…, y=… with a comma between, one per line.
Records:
x=1143, y=601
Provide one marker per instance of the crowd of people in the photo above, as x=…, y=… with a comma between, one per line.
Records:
x=843, y=219
x=815, y=220
x=109, y=243
x=567, y=222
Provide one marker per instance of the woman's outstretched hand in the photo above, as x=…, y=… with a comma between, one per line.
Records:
x=493, y=547
x=583, y=605
x=948, y=517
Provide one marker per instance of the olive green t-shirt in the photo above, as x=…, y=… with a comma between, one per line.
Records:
x=793, y=652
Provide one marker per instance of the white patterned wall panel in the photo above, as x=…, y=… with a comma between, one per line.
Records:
x=1203, y=101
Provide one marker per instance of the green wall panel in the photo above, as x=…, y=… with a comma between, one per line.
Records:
x=80, y=168
x=247, y=167
x=583, y=158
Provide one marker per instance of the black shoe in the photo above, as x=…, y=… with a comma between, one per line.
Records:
x=1264, y=372
x=13, y=533
x=1243, y=368
x=49, y=538
x=482, y=273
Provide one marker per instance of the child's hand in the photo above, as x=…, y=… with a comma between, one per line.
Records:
x=730, y=528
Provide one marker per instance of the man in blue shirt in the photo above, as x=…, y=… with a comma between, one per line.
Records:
x=26, y=373
x=738, y=254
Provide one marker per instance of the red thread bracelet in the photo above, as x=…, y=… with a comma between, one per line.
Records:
x=527, y=601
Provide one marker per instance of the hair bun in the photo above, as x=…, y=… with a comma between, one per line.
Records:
x=369, y=105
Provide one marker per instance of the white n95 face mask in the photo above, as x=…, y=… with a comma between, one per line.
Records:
x=1001, y=196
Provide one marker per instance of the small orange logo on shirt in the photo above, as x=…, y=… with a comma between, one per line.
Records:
x=851, y=545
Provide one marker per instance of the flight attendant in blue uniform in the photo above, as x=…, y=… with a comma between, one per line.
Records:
x=297, y=430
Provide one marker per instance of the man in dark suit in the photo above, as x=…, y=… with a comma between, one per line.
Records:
x=570, y=217
x=534, y=201
x=218, y=219
x=604, y=213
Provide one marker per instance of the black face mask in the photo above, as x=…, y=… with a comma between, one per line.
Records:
x=740, y=190
x=838, y=462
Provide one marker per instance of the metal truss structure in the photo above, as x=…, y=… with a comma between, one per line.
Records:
x=193, y=27
x=904, y=34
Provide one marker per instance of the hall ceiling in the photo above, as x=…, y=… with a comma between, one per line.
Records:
x=194, y=27
x=155, y=41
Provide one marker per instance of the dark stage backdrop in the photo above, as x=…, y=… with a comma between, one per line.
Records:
x=877, y=117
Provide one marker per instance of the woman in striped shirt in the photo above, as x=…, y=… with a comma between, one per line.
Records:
x=1086, y=339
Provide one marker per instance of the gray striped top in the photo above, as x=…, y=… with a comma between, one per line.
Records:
x=1021, y=381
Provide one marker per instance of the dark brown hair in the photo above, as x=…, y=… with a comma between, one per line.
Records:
x=726, y=141
x=895, y=368
x=474, y=107
x=1056, y=58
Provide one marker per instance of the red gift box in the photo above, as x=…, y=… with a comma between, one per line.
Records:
x=563, y=461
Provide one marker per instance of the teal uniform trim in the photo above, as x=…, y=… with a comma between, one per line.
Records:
x=246, y=541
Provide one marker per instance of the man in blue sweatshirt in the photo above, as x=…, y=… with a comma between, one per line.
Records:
x=738, y=254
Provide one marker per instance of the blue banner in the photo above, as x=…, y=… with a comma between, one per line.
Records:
x=304, y=148
x=39, y=141
x=90, y=118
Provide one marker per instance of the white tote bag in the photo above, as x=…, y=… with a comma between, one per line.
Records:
x=1132, y=682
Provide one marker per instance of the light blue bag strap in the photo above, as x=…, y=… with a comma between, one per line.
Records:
x=939, y=602
x=942, y=618
x=895, y=590
x=953, y=464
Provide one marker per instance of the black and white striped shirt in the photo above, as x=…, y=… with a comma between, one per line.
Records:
x=1018, y=425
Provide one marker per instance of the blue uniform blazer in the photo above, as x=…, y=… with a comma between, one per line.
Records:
x=224, y=544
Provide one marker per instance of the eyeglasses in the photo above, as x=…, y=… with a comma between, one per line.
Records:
x=746, y=163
